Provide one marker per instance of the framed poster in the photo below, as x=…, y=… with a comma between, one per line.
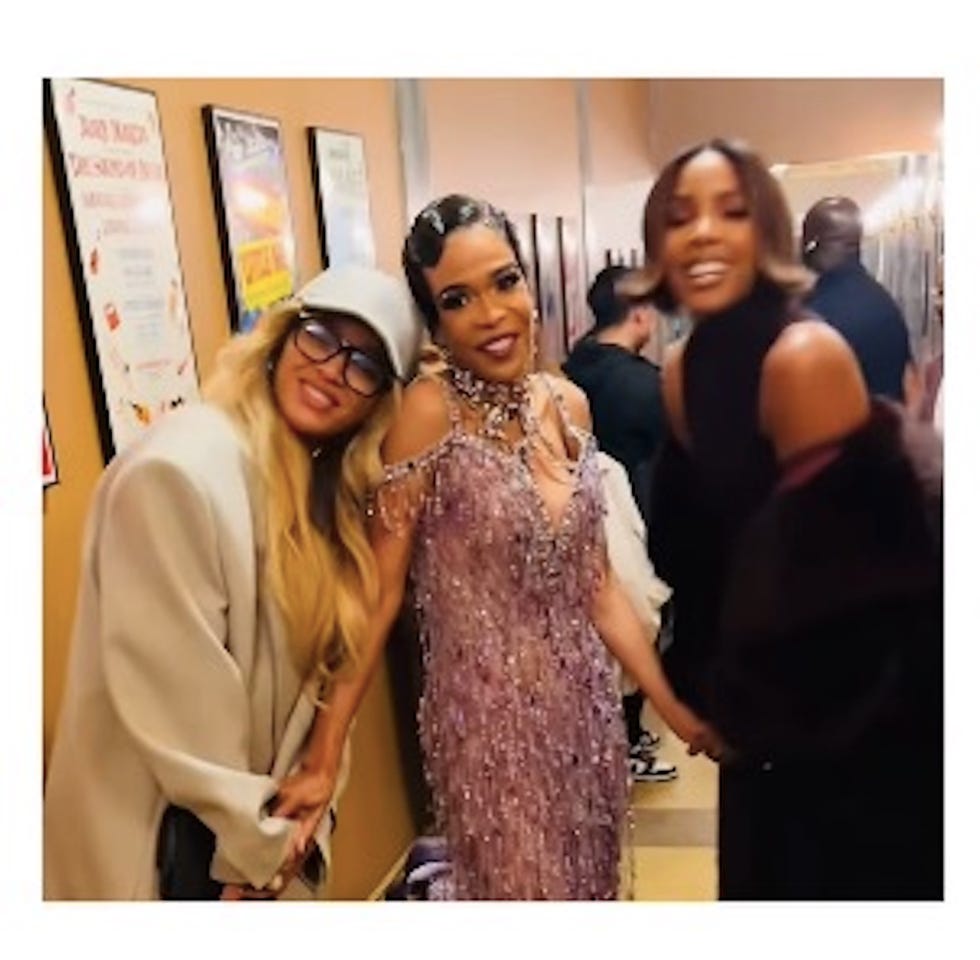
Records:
x=107, y=152
x=548, y=278
x=49, y=465
x=578, y=318
x=343, y=204
x=248, y=176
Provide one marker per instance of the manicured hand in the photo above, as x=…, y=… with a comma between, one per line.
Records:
x=304, y=796
x=305, y=790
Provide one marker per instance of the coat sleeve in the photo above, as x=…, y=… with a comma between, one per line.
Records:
x=831, y=627
x=173, y=683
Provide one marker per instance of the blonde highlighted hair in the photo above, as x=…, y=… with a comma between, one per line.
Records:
x=318, y=558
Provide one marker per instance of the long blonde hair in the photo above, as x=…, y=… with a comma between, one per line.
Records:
x=318, y=559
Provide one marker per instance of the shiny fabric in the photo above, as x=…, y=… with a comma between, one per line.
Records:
x=519, y=719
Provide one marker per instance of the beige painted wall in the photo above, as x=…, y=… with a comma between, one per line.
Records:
x=516, y=142
x=512, y=142
x=374, y=825
x=798, y=120
x=619, y=114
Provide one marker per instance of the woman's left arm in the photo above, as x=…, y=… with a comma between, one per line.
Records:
x=622, y=632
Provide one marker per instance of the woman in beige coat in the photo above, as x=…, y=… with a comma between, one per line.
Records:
x=226, y=581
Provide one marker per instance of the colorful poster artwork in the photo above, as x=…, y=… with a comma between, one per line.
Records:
x=344, y=210
x=248, y=172
x=109, y=162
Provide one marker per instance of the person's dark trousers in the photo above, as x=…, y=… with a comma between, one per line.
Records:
x=404, y=656
x=855, y=829
x=632, y=708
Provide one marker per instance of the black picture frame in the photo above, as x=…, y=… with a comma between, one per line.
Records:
x=258, y=248
x=343, y=215
x=126, y=399
x=50, y=474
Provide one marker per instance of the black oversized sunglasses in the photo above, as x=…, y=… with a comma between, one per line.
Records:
x=317, y=339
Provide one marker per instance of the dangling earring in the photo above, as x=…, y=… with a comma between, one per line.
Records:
x=435, y=356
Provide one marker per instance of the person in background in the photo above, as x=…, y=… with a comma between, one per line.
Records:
x=622, y=386
x=227, y=578
x=799, y=523
x=853, y=302
x=623, y=390
x=492, y=498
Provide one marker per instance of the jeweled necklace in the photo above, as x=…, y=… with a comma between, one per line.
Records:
x=498, y=401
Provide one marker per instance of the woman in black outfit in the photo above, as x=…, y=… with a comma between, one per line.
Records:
x=799, y=524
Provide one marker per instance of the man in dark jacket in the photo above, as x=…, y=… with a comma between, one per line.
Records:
x=623, y=388
x=851, y=300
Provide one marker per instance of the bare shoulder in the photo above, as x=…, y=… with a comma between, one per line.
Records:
x=421, y=422
x=811, y=364
x=812, y=390
x=807, y=346
x=574, y=399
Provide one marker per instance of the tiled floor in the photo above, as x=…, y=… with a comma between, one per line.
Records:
x=674, y=853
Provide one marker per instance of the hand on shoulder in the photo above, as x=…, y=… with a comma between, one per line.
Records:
x=812, y=390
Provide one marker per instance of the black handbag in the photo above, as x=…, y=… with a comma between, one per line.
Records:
x=185, y=847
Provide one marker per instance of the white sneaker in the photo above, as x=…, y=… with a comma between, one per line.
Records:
x=653, y=770
x=648, y=741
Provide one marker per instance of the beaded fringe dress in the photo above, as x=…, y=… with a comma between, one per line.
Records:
x=520, y=719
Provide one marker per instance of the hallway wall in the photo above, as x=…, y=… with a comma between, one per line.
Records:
x=798, y=120
x=514, y=142
x=553, y=146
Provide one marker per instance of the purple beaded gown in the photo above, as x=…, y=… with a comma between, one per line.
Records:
x=523, y=740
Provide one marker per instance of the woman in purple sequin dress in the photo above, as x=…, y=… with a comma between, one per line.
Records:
x=492, y=500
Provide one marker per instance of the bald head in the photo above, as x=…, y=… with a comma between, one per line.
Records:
x=831, y=233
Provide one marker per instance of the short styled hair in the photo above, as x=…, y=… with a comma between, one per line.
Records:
x=607, y=301
x=427, y=237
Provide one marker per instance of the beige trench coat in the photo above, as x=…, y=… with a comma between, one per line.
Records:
x=180, y=685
